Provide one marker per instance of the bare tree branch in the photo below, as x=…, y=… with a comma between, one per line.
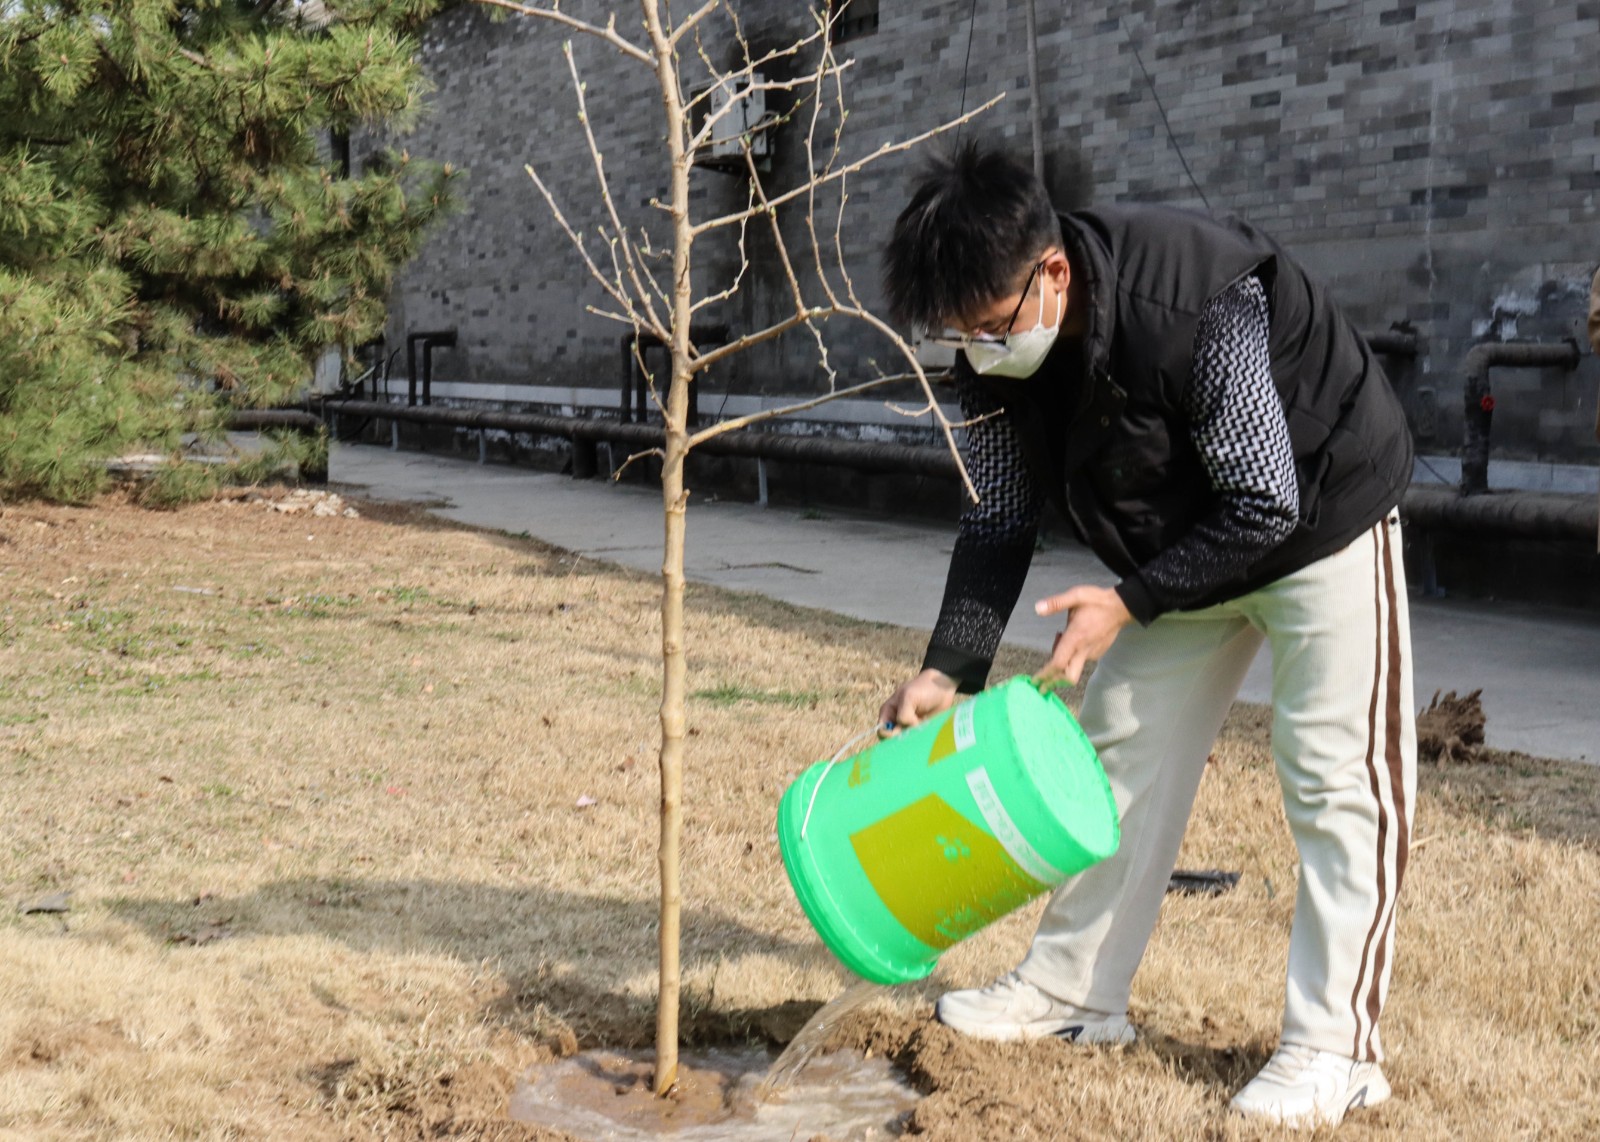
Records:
x=608, y=33
x=739, y=422
x=623, y=467
x=882, y=152
x=614, y=290
x=738, y=94
x=930, y=409
x=704, y=361
x=945, y=427
x=618, y=229
x=751, y=63
x=642, y=269
x=801, y=313
x=621, y=318
x=738, y=278
x=833, y=157
x=691, y=21
x=197, y=58
x=649, y=377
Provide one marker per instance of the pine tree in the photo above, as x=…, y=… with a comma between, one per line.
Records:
x=177, y=236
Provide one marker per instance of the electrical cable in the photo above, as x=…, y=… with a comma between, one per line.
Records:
x=1423, y=460
x=972, y=23
x=1171, y=138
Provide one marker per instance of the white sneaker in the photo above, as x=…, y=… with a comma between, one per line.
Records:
x=1302, y=1086
x=1010, y=1008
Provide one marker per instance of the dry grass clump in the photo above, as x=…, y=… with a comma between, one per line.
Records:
x=1450, y=727
x=359, y=819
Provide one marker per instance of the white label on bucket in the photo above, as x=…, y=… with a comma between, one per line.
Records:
x=966, y=736
x=1006, y=832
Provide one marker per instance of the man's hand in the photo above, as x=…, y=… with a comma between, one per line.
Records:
x=929, y=693
x=1096, y=615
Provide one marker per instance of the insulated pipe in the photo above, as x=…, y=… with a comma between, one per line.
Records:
x=916, y=459
x=255, y=419
x=1478, y=401
x=1520, y=515
x=1513, y=515
x=1392, y=343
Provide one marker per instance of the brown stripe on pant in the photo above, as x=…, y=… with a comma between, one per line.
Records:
x=1385, y=677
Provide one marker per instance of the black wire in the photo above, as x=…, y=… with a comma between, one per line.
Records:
x=1423, y=460
x=972, y=22
x=1164, y=122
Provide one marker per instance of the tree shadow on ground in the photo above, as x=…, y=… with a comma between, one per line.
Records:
x=566, y=956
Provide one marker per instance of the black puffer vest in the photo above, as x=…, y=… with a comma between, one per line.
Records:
x=1102, y=420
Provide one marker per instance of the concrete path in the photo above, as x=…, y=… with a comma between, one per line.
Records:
x=1539, y=669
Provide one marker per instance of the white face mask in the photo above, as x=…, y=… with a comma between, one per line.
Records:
x=1019, y=355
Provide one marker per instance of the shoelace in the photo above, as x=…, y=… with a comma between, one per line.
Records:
x=1010, y=982
x=1289, y=1061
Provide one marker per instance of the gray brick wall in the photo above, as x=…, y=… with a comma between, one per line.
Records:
x=1435, y=161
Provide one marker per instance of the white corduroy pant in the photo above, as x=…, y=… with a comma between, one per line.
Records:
x=1344, y=742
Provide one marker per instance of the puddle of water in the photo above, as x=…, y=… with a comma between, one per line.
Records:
x=605, y=1096
x=805, y=1045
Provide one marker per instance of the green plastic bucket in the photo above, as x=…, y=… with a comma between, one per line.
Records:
x=917, y=842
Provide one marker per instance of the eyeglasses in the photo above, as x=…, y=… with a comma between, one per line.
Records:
x=953, y=339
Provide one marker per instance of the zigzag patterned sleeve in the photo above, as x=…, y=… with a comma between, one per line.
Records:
x=1238, y=425
x=994, y=544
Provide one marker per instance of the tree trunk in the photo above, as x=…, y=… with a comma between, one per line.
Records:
x=674, y=500
x=635, y=291
x=675, y=503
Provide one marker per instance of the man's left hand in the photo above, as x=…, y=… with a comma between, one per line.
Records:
x=1095, y=616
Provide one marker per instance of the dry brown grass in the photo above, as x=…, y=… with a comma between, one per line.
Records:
x=331, y=880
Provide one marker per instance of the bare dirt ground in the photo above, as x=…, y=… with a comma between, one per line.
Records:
x=357, y=818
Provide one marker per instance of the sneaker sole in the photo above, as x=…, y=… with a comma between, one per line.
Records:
x=1374, y=1092
x=1114, y=1034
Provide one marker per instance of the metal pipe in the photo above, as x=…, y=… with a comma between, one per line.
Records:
x=297, y=420
x=584, y=460
x=1392, y=343
x=255, y=419
x=1506, y=515
x=864, y=456
x=427, y=339
x=636, y=348
x=1478, y=401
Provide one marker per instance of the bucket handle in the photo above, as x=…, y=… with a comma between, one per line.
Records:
x=1047, y=689
x=842, y=753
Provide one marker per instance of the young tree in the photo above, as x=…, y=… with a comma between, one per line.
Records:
x=177, y=236
x=650, y=287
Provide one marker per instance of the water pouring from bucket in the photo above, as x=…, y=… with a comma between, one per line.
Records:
x=921, y=839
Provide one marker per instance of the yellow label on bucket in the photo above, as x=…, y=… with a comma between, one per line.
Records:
x=939, y=874
x=944, y=743
x=954, y=736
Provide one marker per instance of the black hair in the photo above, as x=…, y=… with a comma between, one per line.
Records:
x=975, y=221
